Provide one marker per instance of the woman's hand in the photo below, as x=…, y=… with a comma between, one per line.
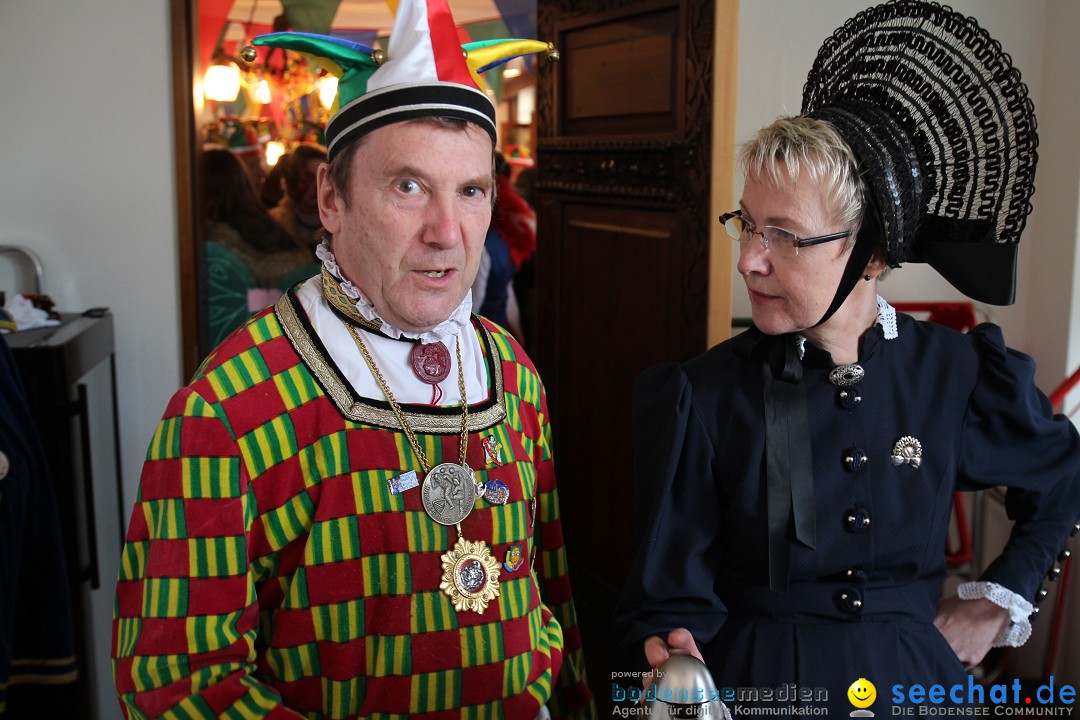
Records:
x=969, y=626
x=657, y=651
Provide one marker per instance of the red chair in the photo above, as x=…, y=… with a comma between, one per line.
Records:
x=956, y=315
x=1057, y=401
x=1057, y=398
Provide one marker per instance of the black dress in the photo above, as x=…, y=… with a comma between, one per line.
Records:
x=861, y=602
x=37, y=645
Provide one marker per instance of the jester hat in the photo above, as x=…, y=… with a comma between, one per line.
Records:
x=425, y=72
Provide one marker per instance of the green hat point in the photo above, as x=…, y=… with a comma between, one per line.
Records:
x=351, y=62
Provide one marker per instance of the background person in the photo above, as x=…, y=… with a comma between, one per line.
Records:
x=236, y=218
x=298, y=209
x=510, y=241
x=272, y=189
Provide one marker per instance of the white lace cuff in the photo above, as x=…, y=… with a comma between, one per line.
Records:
x=1016, y=632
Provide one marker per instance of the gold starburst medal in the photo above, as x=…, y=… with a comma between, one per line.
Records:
x=470, y=575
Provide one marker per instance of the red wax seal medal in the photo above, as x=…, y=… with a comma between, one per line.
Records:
x=431, y=363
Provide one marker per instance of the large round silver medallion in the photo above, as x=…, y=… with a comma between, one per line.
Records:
x=449, y=493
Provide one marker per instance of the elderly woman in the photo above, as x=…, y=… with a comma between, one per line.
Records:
x=796, y=481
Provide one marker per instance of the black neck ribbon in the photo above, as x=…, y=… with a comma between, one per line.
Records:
x=789, y=468
x=789, y=475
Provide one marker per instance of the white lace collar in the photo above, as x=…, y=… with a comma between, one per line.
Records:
x=886, y=318
x=458, y=321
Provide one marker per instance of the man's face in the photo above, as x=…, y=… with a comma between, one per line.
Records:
x=413, y=232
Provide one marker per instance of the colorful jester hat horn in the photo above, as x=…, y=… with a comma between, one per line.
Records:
x=425, y=72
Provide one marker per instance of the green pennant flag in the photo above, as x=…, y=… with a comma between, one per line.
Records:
x=313, y=16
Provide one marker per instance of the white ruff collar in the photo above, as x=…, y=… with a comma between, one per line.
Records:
x=457, y=323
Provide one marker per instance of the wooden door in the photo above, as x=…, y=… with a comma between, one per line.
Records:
x=622, y=270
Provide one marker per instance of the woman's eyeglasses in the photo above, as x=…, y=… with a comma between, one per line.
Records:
x=776, y=240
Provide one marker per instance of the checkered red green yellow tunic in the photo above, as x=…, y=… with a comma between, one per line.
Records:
x=270, y=572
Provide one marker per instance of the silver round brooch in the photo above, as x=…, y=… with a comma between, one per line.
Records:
x=846, y=375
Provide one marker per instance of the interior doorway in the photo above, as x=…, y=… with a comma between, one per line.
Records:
x=625, y=195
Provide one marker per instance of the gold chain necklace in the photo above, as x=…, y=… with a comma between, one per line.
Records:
x=430, y=362
x=400, y=415
x=470, y=574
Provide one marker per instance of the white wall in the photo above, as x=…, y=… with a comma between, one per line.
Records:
x=1058, y=198
x=779, y=40
x=86, y=181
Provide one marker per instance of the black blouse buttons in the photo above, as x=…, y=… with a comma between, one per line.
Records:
x=850, y=398
x=1055, y=573
x=855, y=459
x=849, y=600
x=857, y=575
x=1041, y=595
x=857, y=519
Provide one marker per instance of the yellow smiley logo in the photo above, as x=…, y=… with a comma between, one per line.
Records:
x=862, y=693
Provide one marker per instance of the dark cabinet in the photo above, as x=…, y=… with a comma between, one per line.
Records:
x=69, y=374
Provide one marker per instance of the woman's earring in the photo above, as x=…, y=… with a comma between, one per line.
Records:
x=867, y=277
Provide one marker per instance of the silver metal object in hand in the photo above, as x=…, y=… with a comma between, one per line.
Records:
x=688, y=689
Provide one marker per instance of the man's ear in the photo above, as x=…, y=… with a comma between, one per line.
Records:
x=329, y=201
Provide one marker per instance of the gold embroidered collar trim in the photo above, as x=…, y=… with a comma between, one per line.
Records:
x=363, y=410
x=344, y=304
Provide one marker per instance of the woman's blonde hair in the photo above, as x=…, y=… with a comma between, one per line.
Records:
x=780, y=152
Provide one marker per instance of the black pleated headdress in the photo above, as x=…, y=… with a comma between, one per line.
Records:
x=944, y=132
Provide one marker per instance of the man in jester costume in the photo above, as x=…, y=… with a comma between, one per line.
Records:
x=327, y=510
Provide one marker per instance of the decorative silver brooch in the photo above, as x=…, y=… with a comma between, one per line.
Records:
x=907, y=450
x=846, y=375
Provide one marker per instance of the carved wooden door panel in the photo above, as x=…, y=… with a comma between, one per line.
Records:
x=623, y=194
